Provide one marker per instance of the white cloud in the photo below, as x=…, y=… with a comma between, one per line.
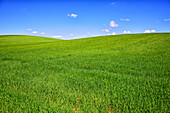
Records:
x=88, y=33
x=149, y=31
x=29, y=29
x=113, y=24
x=42, y=33
x=125, y=19
x=57, y=36
x=106, y=30
x=34, y=32
x=113, y=33
x=72, y=15
x=71, y=34
x=108, y=34
x=126, y=32
x=166, y=19
x=112, y=3
x=102, y=30
x=153, y=31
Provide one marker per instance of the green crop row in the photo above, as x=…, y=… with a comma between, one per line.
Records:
x=121, y=73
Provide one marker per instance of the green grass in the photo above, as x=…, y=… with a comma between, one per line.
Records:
x=121, y=73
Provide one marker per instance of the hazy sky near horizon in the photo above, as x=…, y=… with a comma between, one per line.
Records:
x=68, y=19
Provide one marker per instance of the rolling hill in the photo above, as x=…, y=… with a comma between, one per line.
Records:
x=118, y=73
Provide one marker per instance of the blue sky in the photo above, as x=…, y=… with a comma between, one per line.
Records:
x=69, y=19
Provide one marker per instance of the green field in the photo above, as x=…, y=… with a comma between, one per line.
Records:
x=118, y=73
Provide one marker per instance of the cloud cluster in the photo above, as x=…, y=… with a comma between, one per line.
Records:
x=149, y=31
x=125, y=19
x=107, y=30
x=114, y=33
x=34, y=32
x=57, y=36
x=42, y=33
x=166, y=19
x=29, y=29
x=71, y=34
x=126, y=32
x=72, y=15
x=113, y=24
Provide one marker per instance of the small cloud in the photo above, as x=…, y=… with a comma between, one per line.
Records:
x=71, y=34
x=112, y=3
x=125, y=19
x=29, y=29
x=149, y=31
x=57, y=36
x=113, y=33
x=34, y=32
x=42, y=33
x=72, y=15
x=126, y=32
x=153, y=31
x=108, y=34
x=107, y=30
x=166, y=19
x=113, y=24
x=88, y=33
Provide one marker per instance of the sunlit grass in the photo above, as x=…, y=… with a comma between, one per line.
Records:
x=122, y=73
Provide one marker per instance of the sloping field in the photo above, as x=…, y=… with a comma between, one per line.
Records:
x=121, y=73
